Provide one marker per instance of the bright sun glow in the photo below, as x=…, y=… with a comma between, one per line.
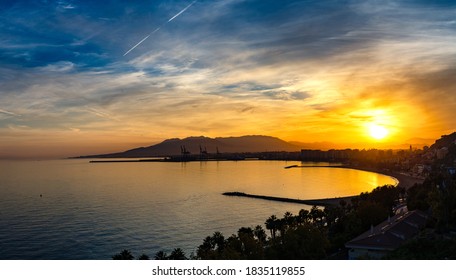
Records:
x=377, y=131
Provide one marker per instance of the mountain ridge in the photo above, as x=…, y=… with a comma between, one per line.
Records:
x=196, y=144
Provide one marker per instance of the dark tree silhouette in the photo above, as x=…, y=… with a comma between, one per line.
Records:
x=218, y=241
x=303, y=216
x=260, y=234
x=177, y=254
x=161, y=255
x=289, y=220
x=124, y=255
x=210, y=243
x=317, y=216
x=143, y=257
x=271, y=224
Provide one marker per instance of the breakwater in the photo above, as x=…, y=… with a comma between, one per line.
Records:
x=317, y=202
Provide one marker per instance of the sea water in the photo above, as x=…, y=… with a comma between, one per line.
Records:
x=73, y=209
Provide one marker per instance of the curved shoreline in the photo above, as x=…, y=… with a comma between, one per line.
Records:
x=403, y=181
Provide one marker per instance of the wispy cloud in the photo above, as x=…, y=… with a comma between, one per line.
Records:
x=102, y=114
x=9, y=113
x=61, y=66
x=289, y=68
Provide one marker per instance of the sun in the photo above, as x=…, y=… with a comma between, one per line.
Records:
x=378, y=132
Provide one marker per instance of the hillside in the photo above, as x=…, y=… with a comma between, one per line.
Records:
x=444, y=141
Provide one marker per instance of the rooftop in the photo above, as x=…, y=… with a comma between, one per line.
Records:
x=391, y=233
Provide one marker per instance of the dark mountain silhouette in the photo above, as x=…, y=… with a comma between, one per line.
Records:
x=444, y=141
x=172, y=147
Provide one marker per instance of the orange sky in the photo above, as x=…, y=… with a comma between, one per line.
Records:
x=227, y=68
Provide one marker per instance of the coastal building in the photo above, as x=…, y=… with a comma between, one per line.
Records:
x=387, y=236
x=331, y=155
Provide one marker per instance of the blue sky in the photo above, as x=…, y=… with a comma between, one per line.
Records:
x=300, y=70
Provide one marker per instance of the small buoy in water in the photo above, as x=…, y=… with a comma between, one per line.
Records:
x=41, y=195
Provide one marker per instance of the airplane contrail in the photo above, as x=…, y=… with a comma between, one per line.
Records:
x=178, y=14
x=144, y=39
x=158, y=28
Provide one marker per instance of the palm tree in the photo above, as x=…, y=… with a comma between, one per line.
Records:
x=177, y=254
x=303, y=216
x=218, y=240
x=247, y=231
x=143, y=257
x=271, y=224
x=317, y=216
x=161, y=255
x=124, y=255
x=260, y=234
x=289, y=219
x=206, y=249
x=281, y=226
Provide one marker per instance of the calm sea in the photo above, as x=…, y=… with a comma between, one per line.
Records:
x=73, y=209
